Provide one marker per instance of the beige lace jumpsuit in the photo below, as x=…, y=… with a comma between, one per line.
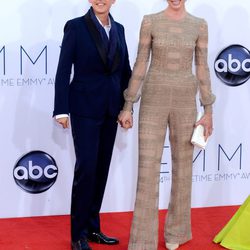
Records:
x=168, y=99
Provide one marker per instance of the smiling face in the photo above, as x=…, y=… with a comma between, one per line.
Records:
x=176, y=4
x=101, y=7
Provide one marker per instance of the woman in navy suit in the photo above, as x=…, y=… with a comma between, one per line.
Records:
x=95, y=45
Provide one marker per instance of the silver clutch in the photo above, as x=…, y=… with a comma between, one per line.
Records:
x=198, y=138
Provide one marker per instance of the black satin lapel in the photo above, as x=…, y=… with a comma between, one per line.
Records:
x=97, y=38
x=117, y=57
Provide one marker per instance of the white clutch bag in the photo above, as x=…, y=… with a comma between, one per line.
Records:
x=198, y=138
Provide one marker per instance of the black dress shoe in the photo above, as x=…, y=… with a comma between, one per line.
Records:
x=80, y=245
x=102, y=239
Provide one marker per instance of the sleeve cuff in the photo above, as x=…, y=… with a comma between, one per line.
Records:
x=61, y=116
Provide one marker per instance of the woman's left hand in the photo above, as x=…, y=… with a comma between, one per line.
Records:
x=207, y=122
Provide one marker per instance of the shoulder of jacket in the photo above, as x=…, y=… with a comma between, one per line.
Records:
x=75, y=21
x=119, y=25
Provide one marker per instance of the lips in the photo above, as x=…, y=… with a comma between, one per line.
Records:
x=176, y=2
x=100, y=4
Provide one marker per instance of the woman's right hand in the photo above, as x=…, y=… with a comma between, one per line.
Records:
x=125, y=119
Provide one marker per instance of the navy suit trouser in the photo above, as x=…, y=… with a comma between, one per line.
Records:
x=93, y=141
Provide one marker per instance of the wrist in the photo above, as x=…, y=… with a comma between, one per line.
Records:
x=128, y=111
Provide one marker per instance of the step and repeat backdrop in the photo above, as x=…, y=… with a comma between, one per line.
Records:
x=37, y=156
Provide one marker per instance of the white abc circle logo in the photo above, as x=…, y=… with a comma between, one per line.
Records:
x=35, y=172
x=232, y=65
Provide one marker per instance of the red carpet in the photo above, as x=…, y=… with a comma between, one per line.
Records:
x=52, y=233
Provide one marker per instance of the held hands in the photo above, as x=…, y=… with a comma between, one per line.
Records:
x=207, y=122
x=64, y=121
x=125, y=119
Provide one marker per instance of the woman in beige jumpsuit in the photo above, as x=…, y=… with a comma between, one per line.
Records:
x=168, y=99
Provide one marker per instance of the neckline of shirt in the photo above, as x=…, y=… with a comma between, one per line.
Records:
x=173, y=19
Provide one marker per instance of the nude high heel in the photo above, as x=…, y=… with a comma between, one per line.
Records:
x=172, y=246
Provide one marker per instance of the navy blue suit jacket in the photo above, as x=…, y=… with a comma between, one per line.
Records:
x=96, y=88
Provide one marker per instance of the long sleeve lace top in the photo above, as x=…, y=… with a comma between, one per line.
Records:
x=167, y=47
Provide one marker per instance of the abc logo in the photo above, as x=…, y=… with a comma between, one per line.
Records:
x=232, y=65
x=35, y=172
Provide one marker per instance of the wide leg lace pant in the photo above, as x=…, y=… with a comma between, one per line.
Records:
x=174, y=107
